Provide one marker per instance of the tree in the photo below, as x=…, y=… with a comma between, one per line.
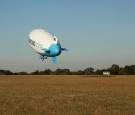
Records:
x=58, y=71
x=22, y=73
x=45, y=72
x=100, y=72
x=35, y=73
x=121, y=71
x=89, y=71
x=80, y=72
x=114, y=69
x=132, y=69
x=66, y=72
x=5, y=72
x=129, y=70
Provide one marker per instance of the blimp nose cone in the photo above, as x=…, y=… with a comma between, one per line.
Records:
x=55, y=50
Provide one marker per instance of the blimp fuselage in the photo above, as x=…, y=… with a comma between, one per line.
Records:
x=45, y=44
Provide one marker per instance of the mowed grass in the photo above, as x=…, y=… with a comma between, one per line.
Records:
x=67, y=95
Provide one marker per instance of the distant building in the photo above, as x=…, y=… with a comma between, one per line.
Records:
x=106, y=73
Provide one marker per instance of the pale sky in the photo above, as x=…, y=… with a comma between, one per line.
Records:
x=97, y=33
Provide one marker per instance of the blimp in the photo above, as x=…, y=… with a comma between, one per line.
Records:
x=45, y=44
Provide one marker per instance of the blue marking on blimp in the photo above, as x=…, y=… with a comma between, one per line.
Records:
x=47, y=52
x=53, y=51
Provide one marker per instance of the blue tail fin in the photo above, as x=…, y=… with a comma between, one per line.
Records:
x=64, y=49
x=54, y=59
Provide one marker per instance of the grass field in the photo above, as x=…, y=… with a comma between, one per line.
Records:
x=67, y=95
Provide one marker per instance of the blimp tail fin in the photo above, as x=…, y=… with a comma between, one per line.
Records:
x=54, y=59
x=64, y=49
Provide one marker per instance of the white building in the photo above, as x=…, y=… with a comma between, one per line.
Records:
x=106, y=73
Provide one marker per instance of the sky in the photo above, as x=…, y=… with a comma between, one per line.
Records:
x=97, y=33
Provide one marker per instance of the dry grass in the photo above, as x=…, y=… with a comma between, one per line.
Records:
x=67, y=95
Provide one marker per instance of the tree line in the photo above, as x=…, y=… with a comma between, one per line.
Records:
x=114, y=70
